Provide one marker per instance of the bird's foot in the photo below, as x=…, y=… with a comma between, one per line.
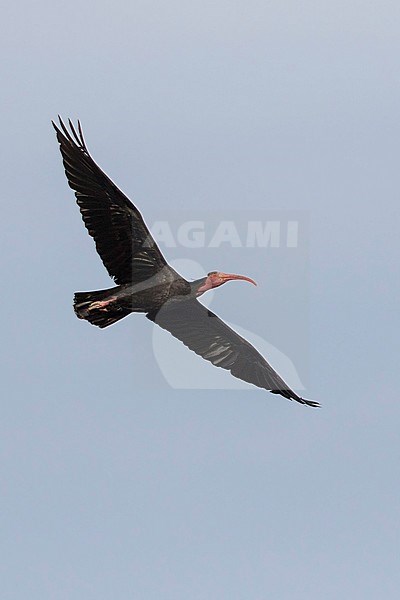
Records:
x=102, y=304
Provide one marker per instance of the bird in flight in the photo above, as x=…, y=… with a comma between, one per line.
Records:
x=146, y=283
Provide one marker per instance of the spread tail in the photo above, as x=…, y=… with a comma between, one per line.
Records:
x=99, y=308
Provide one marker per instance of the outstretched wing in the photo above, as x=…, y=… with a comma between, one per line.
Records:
x=204, y=333
x=122, y=239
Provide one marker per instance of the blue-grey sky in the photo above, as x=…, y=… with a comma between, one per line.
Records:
x=115, y=485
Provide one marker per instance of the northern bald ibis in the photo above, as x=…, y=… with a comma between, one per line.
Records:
x=145, y=282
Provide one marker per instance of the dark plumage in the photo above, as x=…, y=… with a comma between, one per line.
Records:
x=146, y=283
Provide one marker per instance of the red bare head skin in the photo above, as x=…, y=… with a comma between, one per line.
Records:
x=215, y=279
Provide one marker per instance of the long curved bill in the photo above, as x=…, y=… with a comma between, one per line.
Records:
x=231, y=277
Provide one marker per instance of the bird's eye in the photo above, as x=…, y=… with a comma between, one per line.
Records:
x=211, y=273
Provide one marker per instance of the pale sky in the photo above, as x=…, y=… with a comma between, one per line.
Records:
x=116, y=485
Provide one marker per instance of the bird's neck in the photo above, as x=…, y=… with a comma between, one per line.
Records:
x=197, y=285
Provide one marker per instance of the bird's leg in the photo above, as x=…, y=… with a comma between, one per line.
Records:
x=102, y=304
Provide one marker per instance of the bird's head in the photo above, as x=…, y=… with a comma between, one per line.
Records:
x=215, y=279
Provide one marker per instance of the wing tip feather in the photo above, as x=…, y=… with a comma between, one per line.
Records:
x=290, y=395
